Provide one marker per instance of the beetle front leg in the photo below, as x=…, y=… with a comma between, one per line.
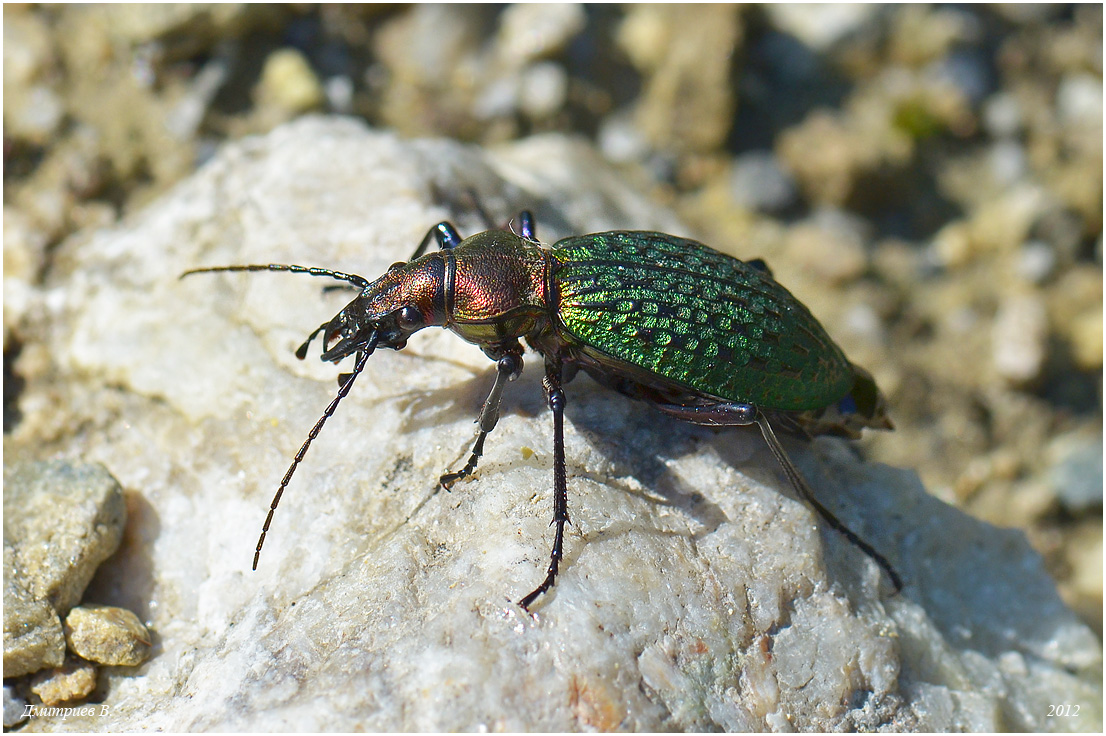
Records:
x=557, y=402
x=508, y=368
x=444, y=233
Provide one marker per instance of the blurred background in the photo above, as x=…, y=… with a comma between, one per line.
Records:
x=927, y=179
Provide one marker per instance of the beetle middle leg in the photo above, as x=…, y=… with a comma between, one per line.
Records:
x=508, y=368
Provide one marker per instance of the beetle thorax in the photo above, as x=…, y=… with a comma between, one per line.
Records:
x=498, y=288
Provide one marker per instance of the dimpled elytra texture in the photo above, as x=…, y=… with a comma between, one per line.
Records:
x=704, y=320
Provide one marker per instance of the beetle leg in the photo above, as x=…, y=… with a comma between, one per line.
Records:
x=444, y=233
x=560, y=485
x=526, y=226
x=508, y=368
x=733, y=414
x=800, y=485
x=722, y=414
x=339, y=287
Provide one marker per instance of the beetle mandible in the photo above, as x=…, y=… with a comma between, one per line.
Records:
x=703, y=337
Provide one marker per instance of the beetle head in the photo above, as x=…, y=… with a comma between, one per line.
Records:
x=404, y=300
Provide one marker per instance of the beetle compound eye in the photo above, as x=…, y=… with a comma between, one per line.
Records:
x=409, y=318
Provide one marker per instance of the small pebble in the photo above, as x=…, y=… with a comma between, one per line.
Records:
x=543, y=90
x=1085, y=333
x=620, y=140
x=1002, y=115
x=529, y=31
x=1077, y=471
x=1079, y=99
x=33, y=637
x=951, y=246
x=289, y=82
x=862, y=320
x=1019, y=339
x=643, y=36
x=1009, y=162
x=1084, y=553
x=62, y=520
x=38, y=117
x=107, y=635
x=74, y=680
x=759, y=183
x=498, y=98
x=831, y=243
x=1037, y=261
x=14, y=707
x=339, y=94
x=820, y=26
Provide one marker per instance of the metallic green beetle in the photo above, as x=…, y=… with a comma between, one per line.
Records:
x=701, y=336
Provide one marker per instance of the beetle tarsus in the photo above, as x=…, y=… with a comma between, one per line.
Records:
x=448, y=479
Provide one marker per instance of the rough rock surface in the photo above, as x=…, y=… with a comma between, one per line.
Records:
x=697, y=593
x=61, y=521
x=107, y=635
x=33, y=637
x=74, y=680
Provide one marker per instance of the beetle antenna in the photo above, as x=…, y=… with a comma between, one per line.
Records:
x=358, y=281
x=362, y=358
x=803, y=489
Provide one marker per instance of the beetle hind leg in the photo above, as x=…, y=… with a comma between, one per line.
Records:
x=801, y=486
x=735, y=414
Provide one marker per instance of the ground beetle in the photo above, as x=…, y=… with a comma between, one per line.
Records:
x=703, y=337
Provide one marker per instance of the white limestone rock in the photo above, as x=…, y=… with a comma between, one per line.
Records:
x=696, y=592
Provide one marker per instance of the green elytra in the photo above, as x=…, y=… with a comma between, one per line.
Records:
x=701, y=336
x=711, y=323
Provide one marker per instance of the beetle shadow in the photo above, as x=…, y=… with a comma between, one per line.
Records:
x=845, y=562
x=425, y=408
x=480, y=200
x=982, y=588
x=625, y=432
x=639, y=446
x=639, y=443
